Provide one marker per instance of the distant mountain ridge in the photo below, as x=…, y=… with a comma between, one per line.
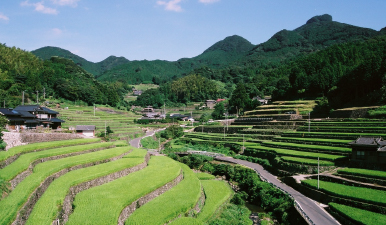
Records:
x=94, y=68
x=318, y=33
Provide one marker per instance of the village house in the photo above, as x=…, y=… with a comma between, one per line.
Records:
x=30, y=116
x=369, y=151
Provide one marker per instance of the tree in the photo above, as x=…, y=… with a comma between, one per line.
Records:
x=240, y=100
x=219, y=111
x=3, y=122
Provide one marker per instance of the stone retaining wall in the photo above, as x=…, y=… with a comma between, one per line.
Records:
x=15, y=138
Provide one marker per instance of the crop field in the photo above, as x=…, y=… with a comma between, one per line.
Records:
x=300, y=154
x=24, y=161
x=11, y=204
x=361, y=194
x=178, y=200
x=304, y=161
x=120, y=122
x=304, y=147
x=314, y=141
x=43, y=145
x=363, y=173
x=217, y=193
x=46, y=209
x=52, y=169
x=358, y=215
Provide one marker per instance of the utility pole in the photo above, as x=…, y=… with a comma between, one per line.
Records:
x=23, y=99
x=44, y=93
x=226, y=118
x=94, y=109
x=318, y=172
x=243, y=143
x=37, y=97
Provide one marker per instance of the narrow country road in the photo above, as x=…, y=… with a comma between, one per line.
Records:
x=314, y=212
x=137, y=141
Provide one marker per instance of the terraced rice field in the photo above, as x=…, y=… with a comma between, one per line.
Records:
x=94, y=182
x=120, y=122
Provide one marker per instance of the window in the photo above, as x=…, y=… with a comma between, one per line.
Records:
x=360, y=154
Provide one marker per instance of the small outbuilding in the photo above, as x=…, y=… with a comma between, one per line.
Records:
x=86, y=130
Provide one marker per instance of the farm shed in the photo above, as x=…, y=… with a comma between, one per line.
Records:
x=86, y=130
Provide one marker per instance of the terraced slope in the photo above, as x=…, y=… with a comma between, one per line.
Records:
x=120, y=122
x=104, y=204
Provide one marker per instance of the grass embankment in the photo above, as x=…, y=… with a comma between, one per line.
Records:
x=46, y=209
x=24, y=161
x=43, y=145
x=371, y=196
x=10, y=205
x=106, y=202
x=364, y=173
x=178, y=200
x=359, y=215
x=205, y=176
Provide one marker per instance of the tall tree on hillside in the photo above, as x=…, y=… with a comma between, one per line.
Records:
x=240, y=100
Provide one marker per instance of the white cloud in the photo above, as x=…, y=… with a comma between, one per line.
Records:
x=208, y=1
x=4, y=17
x=172, y=5
x=73, y=3
x=39, y=7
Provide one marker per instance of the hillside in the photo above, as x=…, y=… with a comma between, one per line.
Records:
x=227, y=58
x=94, y=68
x=58, y=77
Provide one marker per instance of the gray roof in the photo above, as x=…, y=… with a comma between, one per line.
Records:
x=85, y=127
x=8, y=112
x=368, y=141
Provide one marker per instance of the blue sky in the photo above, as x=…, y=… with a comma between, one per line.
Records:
x=165, y=29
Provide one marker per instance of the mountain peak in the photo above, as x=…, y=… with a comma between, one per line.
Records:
x=232, y=43
x=315, y=19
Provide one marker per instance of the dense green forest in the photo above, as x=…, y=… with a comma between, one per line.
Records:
x=58, y=77
x=344, y=64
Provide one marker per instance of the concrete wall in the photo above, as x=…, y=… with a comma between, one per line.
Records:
x=15, y=138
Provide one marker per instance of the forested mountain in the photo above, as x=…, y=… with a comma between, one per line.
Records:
x=93, y=68
x=349, y=74
x=58, y=77
x=233, y=59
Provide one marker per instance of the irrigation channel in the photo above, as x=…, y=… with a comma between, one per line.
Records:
x=310, y=211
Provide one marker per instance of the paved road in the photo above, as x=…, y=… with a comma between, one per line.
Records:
x=137, y=141
x=317, y=214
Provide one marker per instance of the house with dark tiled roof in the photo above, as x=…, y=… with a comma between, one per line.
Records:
x=31, y=116
x=369, y=150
